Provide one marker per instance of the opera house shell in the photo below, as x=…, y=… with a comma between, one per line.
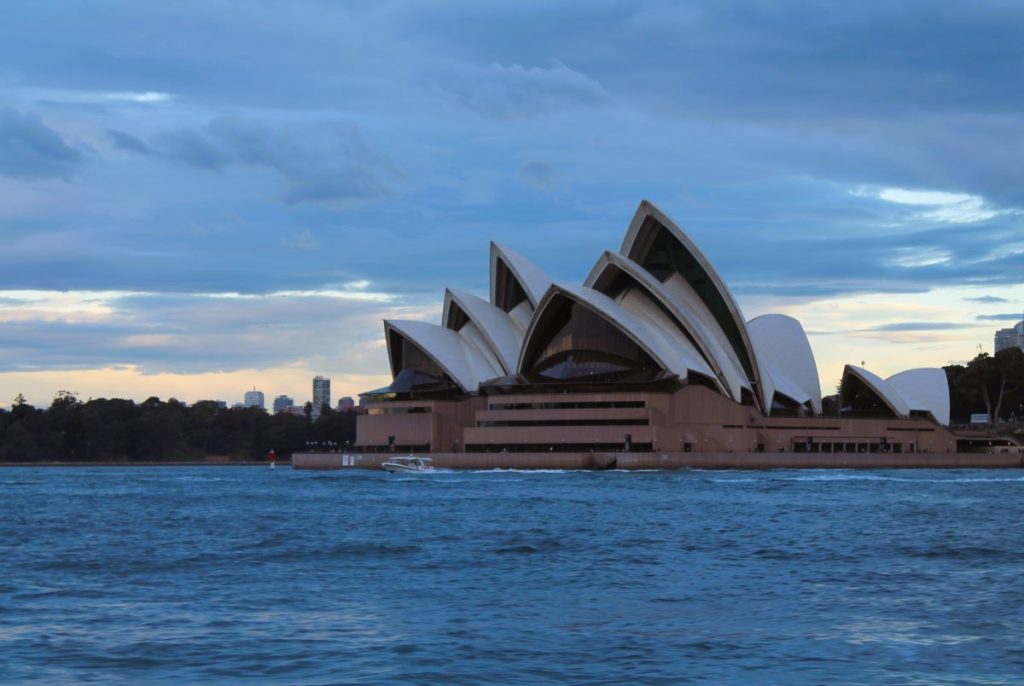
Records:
x=651, y=353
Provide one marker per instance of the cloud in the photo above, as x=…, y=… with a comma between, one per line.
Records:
x=29, y=149
x=920, y=257
x=192, y=332
x=326, y=162
x=51, y=96
x=538, y=174
x=1008, y=317
x=918, y=326
x=144, y=97
x=987, y=299
x=126, y=141
x=951, y=208
x=513, y=91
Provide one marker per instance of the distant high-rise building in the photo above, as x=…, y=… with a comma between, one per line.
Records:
x=254, y=398
x=321, y=394
x=282, y=403
x=346, y=404
x=1010, y=338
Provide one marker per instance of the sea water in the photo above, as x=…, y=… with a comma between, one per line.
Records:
x=247, y=575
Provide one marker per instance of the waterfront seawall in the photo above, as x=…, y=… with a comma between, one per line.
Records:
x=674, y=460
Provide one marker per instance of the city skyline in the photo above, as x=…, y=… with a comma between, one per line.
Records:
x=182, y=222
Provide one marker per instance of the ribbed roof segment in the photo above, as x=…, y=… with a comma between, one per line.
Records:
x=643, y=244
x=462, y=362
x=882, y=388
x=706, y=338
x=924, y=390
x=674, y=355
x=786, y=358
x=529, y=276
x=500, y=333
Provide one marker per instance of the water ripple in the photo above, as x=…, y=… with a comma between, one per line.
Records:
x=243, y=575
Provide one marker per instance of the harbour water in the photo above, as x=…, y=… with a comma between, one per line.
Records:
x=247, y=575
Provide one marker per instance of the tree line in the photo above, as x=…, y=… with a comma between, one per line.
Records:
x=121, y=430
x=152, y=431
x=989, y=384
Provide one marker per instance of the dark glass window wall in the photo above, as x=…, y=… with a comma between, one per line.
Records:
x=579, y=345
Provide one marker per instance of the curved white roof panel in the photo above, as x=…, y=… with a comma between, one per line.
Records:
x=461, y=361
x=674, y=355
x=602, y=278
x=886, y=391
x=924, y=390
x=501, y=334
x=531, y=278
x=783, y=351
x=641, y=246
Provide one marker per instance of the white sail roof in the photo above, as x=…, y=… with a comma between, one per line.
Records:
x=882, y=388
x=674, y=355
x=461, y=361
x=530, y=277
x=924, y=390
x=704, y=281
x=783, y=351
x=500, y=333
x=705, y=334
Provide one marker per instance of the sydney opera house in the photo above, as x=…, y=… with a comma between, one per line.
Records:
x=650, y=354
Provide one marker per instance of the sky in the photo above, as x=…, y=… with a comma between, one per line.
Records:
x=197, y=198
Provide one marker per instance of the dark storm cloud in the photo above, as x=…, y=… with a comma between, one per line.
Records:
x=324, y=162
x=29, y=149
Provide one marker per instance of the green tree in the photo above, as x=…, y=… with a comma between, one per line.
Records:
x=986, y=383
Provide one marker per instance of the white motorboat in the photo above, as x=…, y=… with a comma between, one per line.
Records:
x=409, y=463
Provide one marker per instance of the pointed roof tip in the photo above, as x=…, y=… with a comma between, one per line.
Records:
x=648, y=208
x=530, y=277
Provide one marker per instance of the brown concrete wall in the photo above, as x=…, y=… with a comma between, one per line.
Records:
x=408, y=429
x=694, y=415
x=555, y=435
x=564, y=397
x=439, y=428
x=583, y=413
